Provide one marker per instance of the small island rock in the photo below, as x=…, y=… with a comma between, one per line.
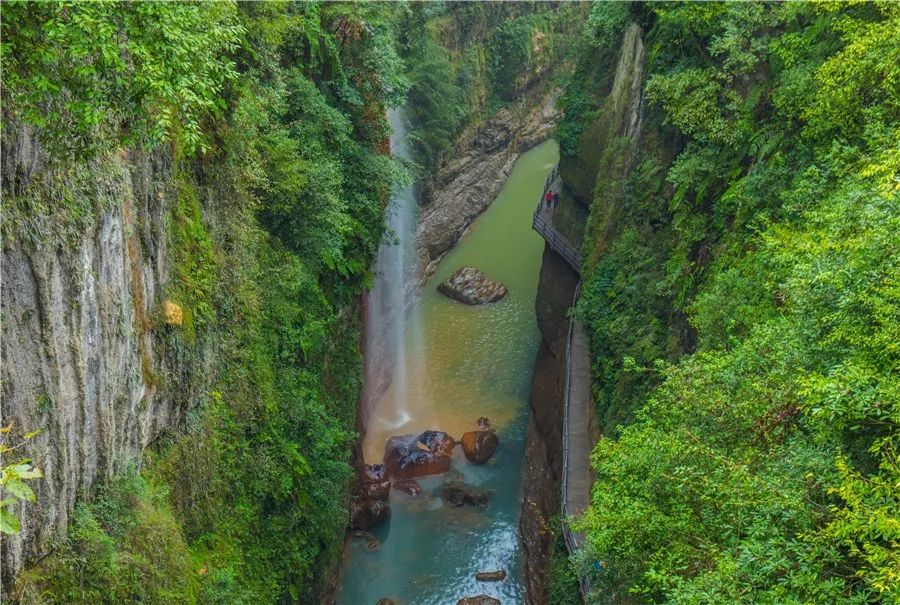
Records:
x=471, y=286
x=411, y=487
x=411, y=456
x=478, y=446
x=457, y=493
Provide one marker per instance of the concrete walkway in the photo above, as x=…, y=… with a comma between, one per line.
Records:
x=578, y=468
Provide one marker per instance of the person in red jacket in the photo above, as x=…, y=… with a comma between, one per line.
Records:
x=548, y=198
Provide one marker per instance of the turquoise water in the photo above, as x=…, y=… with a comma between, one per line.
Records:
x=462, y=362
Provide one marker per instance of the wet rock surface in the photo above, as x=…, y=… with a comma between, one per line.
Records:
x=491, y=576
x=410, y=487
x=457, y=493
x=372, y=543
x=478, y=446
x=374, y=491
x=366, y=514
x=471, y=286
x=410, y=456
x=374, y=473
x=370, y=506
x=478, y=600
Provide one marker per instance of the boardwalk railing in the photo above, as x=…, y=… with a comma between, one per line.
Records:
x=561, y=246
x=557, y=242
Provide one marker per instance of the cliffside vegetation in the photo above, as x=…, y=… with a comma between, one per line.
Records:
x=263, y=126
x=467, y=60
x=742, y=296
x=271, y=117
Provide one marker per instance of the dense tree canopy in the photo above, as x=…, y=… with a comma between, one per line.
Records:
x=745, y=312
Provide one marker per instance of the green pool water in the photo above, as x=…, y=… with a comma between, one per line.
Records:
x=462, y=362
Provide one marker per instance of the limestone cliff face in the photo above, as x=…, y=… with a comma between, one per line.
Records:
x=467, y=184
x=608, y=144
x=543, y=446
x=82, y=356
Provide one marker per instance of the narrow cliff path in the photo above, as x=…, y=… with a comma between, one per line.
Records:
x=577, y=464
x=577, y=476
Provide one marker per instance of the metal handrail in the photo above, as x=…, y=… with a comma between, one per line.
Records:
x=557, y=242
x=561, y=246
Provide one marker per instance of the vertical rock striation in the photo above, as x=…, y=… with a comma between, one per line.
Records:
x=82, y=354
x=543, y=445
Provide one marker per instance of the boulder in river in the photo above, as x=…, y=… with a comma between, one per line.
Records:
x=457, y=493
x=374, y=473
x=366, y=514
x=491, y=576
x=481, y=599
x=411, y=456
x=478, y=446
x=411, y=487
x=471, y=286
x=386, y=601
x=374, y=491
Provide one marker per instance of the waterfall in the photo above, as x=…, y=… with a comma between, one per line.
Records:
x=392, y=295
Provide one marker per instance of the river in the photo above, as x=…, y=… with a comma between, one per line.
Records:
x=459, y=363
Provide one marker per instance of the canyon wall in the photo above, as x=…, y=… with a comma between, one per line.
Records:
x=84, y=356
x=543, y=447
x=468, y=182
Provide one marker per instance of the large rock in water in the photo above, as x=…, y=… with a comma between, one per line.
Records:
x=478, y=446
x=411, y=456
x=481, y=599
x=457, y=493
x=491, y=576
x=374, y=483
x=471, y=286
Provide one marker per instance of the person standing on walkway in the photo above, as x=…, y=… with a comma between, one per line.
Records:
x=556, y=200
x=548, y=198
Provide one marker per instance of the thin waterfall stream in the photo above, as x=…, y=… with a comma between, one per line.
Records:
x=452, y=363
x=389, y=338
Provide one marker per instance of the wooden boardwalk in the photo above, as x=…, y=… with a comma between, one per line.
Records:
x=577, y=478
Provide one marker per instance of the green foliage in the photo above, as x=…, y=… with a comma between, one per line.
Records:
x=564, y=589
x=193, y=259
x=436, y=103
x=509, y=55
x=757, y=227
x=466, y=60
x=144, y=72
x=123, y=546
x=269, y=241
x=13, y=476
x=606, y=21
